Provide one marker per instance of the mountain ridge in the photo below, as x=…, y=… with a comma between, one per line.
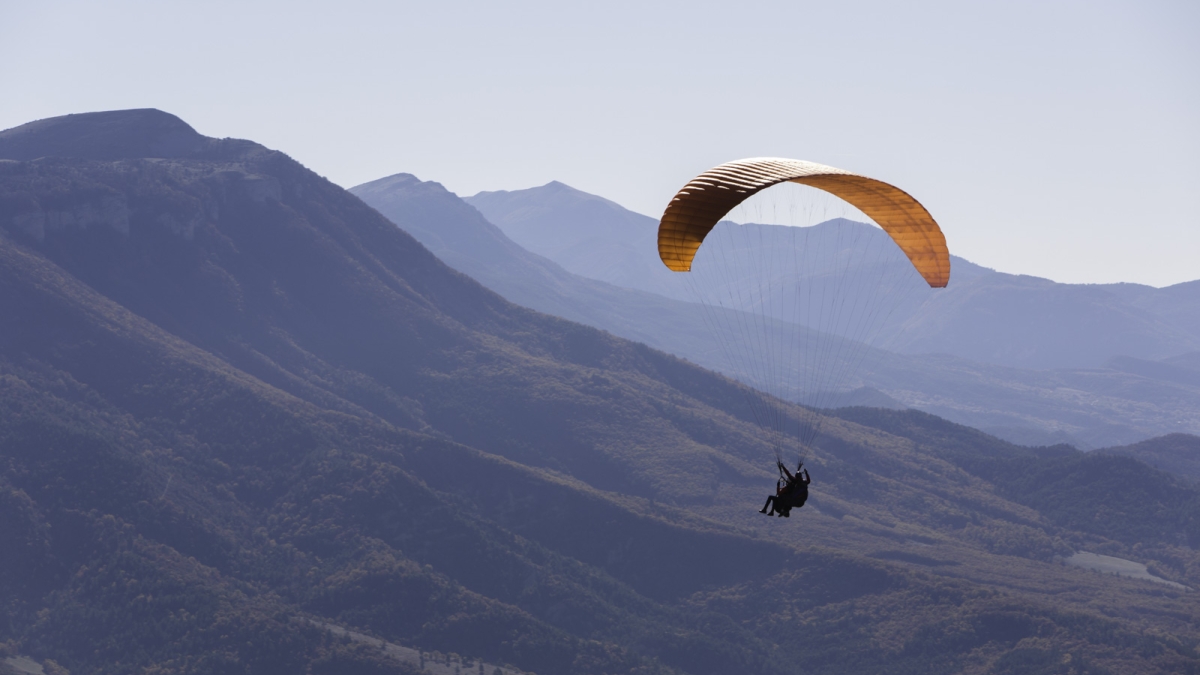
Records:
x=116, y=134
x=979, y=317
x=1028, y=406
x=293, y=411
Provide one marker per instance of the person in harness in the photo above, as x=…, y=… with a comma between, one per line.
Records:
x=790, y=494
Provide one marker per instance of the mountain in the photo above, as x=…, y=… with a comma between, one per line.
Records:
x=1089, y=408
x=1178, y=454
x=983, y=315
x=459, y=235
x=246, y=419
x=135, y=134
x=585, y=234
x=1086, y=407
x=1183, y=369
x=1037, y=323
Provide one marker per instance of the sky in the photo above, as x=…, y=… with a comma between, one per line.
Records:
x=1058, y=139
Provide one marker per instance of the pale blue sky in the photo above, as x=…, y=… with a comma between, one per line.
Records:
x=1060, y=139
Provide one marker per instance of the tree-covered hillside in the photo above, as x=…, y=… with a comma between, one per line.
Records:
x=239, y=409
x=1178, y=454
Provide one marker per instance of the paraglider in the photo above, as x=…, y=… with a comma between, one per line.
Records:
x=697, y=207
x=790, y=493
x=799, y=344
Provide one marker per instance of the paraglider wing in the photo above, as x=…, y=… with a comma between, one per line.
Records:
x=697, y=207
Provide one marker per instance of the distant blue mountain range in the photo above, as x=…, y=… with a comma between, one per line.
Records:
x=984, y=315
x=1026, y=359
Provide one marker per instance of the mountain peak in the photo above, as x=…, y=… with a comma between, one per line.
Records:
x=554, y=190
x=108, y=135
x=394, y=181
x=402, y=183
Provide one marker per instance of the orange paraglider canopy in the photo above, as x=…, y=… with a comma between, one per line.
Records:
x=696, y=208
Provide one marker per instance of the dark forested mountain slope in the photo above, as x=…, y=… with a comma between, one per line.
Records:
x=237, y=401
x=1178, y=454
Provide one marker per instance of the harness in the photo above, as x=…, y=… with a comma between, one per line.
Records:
x=790, y=489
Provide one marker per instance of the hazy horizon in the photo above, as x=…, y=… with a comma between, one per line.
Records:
x=1038, y=135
